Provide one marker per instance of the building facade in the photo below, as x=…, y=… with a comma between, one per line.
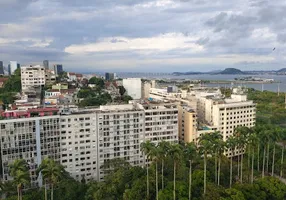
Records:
x=46, y=64
x=188, y=124
x=133, y=87
x=84, y=141
x=1, y=68
x=12, y=67
x=32, y=77
x=58, y=69
x=109, y=76
x=31, y=139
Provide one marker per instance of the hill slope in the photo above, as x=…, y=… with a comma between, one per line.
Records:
x=232, y=71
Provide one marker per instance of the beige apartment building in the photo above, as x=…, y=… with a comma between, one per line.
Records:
x=188, y=124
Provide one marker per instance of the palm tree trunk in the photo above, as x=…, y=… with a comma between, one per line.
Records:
x=218, y=175
x=18, y=190
x=190, y=181
x=162, y=174
x=263, y=163
x=21, y=196
x=252, y=166
x=273, y=160
x=52, y=192
x=147, y=181
x=174, y=191
x=157, y=197
x=248, y=163
x=282, y=158
x=230, y=175
x=238, y=166
x=241, y=167
x=216, y=166
x=46, y=194
x=267, y=158
x=205, y=173
x=258, y=151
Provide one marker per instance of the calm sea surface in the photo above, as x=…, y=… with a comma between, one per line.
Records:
x=271, y=86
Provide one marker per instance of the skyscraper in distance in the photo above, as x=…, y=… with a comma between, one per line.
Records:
x=109, y=76
x=13, y=66
x=1, y=68
x=58, y=68
x=46, y=64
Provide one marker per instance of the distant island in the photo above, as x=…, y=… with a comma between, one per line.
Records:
x=233, y=71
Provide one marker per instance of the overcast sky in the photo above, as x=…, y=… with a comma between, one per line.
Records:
x=145, y=35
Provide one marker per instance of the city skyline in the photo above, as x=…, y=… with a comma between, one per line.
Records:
x=145, y=35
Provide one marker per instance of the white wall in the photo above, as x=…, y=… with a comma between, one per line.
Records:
x=133, y=87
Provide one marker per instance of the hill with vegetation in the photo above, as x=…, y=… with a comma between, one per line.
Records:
x=231, y=71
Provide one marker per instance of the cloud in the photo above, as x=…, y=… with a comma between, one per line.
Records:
x=143, y=34
x=163, y=42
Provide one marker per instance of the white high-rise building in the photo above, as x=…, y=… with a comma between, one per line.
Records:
x=12, y=67
x=133, y=87
x=161, y=122
x=84, y=140
x=32, y=77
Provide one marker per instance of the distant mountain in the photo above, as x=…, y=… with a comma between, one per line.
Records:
x=231, y=71
x=215, y=72
x=234, y=71
x=283, y=70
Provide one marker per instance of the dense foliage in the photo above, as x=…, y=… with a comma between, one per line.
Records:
x=94, y=96
x=11, y=87
x=270, y=107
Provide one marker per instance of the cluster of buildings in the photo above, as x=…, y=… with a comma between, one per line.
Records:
x=82, y=140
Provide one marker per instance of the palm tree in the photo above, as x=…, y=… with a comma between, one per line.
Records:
x=257, y=131
x=175, y=152
x=146, y=148
x=221, y=148
x=163, y=149
x=241, y=135
x=19, y=170
x=264, y=136
x=51, y=172
x=21, y=178
x=190, y=152
x=215, y=137
x=275, y=138
x=253, y=140
x=231, y=144
x=205, y=146
x=155, y=157
x=282, y=157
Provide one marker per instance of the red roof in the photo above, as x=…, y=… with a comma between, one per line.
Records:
x=107, y=84
x=72, y=73
x=3, y=79
x=78, y=75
